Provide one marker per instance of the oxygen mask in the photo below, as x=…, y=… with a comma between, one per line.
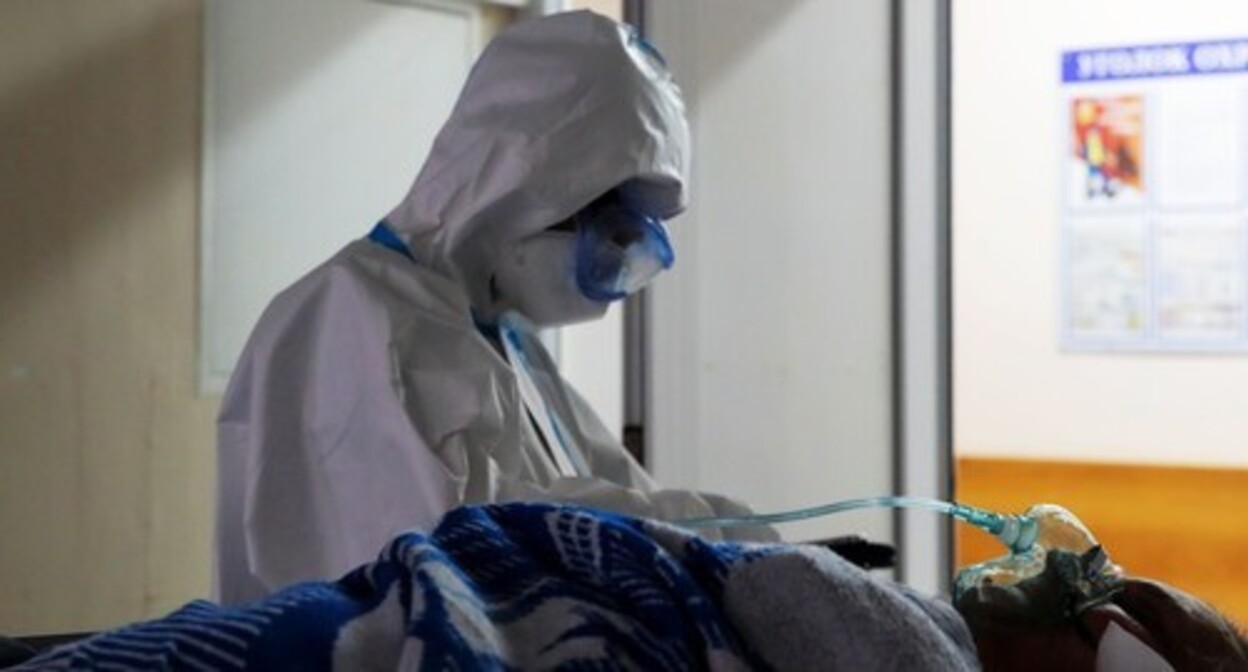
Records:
x=1055, y=530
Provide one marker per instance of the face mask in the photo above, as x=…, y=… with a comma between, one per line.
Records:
x=538, y=278
x=619, y=249
x=561, y=277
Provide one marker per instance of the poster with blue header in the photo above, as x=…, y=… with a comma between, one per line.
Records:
x=1155, y=197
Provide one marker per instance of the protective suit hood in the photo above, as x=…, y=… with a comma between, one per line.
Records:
x=555, y=113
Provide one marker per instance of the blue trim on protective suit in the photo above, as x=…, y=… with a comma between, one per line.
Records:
x=384, y=236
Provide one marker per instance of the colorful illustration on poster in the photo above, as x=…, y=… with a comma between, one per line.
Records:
x=1108, y=143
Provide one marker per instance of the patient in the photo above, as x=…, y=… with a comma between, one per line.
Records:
x=1045, y=624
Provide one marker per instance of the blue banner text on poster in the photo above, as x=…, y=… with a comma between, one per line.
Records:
x=1155, y=60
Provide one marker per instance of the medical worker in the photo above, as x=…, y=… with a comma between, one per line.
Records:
x=403, y=377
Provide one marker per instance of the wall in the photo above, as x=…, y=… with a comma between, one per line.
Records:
x=591, y=358
x=314, y=129
x=771, y=336
x=106, y=452
x=1016, y=394
x=611, y=8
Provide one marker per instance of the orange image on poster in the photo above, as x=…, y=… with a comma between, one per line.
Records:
x=1109, y=146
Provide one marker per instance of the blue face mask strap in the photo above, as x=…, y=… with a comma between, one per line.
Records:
x=384, y=236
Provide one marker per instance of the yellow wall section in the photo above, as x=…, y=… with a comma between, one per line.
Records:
x=1187, y=527
x=611, y=8
x=106, y=453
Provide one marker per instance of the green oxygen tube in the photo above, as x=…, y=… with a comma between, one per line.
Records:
x=1017, y=532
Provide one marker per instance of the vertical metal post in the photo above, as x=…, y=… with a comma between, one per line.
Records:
x=635, y=15
x=636, y=334
x=923, y=435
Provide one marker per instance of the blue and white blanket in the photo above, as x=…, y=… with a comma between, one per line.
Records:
x=546, y=587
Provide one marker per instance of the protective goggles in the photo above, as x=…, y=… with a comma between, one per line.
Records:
x=619, y=249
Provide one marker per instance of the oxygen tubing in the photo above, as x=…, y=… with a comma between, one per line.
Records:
x=1017, y=532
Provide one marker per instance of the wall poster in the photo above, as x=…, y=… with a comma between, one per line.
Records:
x=1155, y=197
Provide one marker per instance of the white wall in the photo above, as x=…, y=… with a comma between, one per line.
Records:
x=318, y=115
x=771, y=336
x=591, y=358
x=1016, y=394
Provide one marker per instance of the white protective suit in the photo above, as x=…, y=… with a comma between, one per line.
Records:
x=367, y=402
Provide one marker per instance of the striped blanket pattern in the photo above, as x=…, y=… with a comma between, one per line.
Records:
x=520, y=586
x=549, y=587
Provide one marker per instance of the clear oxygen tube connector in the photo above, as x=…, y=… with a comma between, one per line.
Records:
x=1017, y=532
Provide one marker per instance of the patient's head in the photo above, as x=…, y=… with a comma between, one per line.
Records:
x=1186, y=632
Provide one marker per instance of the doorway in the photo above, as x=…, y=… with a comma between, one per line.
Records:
x=1100, y=277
